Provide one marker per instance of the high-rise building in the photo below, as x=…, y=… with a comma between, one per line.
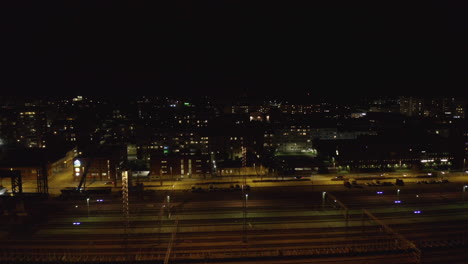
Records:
x=7, y=126
x=411, y=106
x=441, y=108
x=31, y=127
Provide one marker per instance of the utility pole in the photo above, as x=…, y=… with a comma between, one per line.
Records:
x=160, y=177
x=244, y=194
x=244, y=156
x=125, y=209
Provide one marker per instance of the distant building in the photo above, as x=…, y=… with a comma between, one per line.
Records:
x=300, y=109
x=36, y=164
x=385, y=105
x=174, y=141
x=378, y=153
x=32, y=127
x=65, y=128
x=411, y=106
x=8, y=120
x=179, y=166
x=441, y=108
x=257, y=170
x=259, y=117
x=103, y=164
x=299, y=138
x=243, y=109
x=293, y=139
x=23, y=126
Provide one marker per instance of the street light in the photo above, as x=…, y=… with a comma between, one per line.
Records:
x=323, y=199
x=168, y=206
x=464, y=189
x=398, y=194
x=87, y=202
x=244, y=225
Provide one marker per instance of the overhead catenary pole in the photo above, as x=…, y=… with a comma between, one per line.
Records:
x=244, y=194
x=125, y=207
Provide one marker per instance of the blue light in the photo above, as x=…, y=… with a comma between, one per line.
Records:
x=76, y=223
x=417, y=212
x=397, y=202
x=379, y=192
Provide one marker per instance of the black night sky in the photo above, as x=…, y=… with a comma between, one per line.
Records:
x=224, y=47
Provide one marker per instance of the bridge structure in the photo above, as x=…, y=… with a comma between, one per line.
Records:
x=16, y=181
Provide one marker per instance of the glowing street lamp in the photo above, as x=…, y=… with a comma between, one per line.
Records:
x=323, y=199
x=87, y=202
x=464, y=189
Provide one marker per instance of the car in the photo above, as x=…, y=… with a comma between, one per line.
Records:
x=399, y=182
x=298, y=177
x=199, y=189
